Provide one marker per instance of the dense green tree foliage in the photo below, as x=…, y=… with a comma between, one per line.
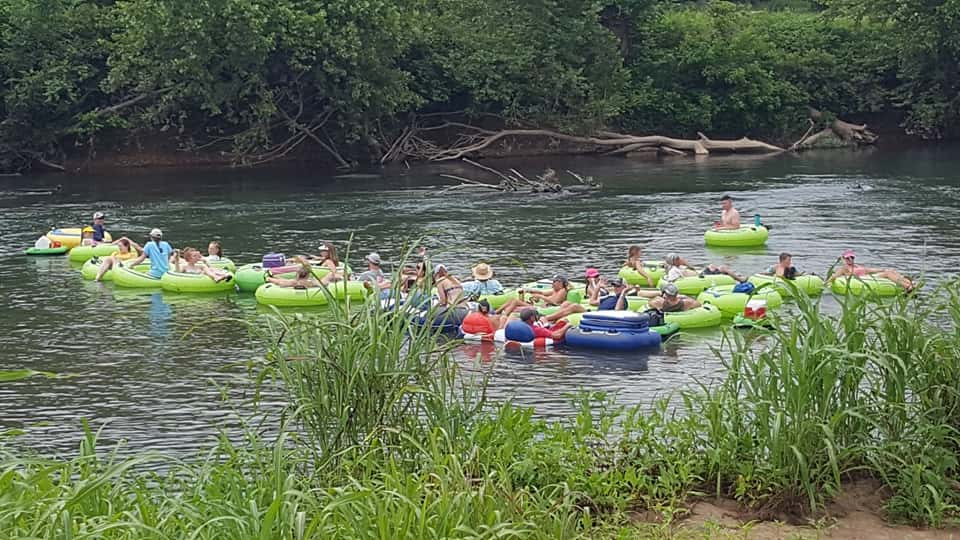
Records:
x=260, y=77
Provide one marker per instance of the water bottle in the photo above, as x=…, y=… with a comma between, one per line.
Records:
x=756, y=220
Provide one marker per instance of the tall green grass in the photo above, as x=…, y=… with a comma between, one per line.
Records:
x=383, y=436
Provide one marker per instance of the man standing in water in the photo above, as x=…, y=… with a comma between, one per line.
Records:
x=729, y=217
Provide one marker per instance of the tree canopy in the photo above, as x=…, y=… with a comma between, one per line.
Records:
x=266, y=78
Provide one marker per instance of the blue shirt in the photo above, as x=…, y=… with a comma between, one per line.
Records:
x=491, y=286
x=99, y=233
x=609, y=303
x=159, y=257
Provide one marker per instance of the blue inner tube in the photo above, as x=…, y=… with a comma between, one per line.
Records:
x=612, y=339
x=444, y=319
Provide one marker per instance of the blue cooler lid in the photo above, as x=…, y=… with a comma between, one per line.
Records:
x=615, y=320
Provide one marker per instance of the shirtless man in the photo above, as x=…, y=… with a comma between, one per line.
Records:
x=729, y=217
x=784, y=268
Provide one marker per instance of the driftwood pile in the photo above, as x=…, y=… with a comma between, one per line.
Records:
x=516, y=182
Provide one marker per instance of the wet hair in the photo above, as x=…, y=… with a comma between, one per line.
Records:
x=784, y=256
x=332, y=253
x=726, y=198
x=217, y=248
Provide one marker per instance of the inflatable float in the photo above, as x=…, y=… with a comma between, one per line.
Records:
x=183, y=282
x=250, y=276
x=274, y=295
x=706, y=316
x=46, y=252
x=866, y=285
x=632, y=277
x=575, y=294
x=613, y=331
x=745, y=236
x=70, y=237
x=732, y=303
x=133, y=279
x=809, y=284
x=85, y=253
x=515, y=334
x=91, y=267
x=692, y=286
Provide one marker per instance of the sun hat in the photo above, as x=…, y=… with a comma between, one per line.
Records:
x=156, y=233
x=670, y=289
x=591, y=273
x=849, y=253
x=528, y=313
x=482, y=271
x=373, y=258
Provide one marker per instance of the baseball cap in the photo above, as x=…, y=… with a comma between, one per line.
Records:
x=438, y=268
x=849, y=253
x=156, y=233
x=87, y=229
x=374, y=258
x=99, y=215
x=670, y=289
x=528, y=313
x=591, y=273
x=671, y=257
x=616, y=282
x=560, y=277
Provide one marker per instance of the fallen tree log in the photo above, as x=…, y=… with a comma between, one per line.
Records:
x=834, y=133
x=414, y=142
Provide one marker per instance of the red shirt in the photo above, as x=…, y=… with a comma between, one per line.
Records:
x=541, y=332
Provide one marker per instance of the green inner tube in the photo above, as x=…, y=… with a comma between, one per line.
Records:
x=497, y=301
x=631, y=276
x=702, y=317
x=732, y=303
x=132, y=279
x=250, y=276
x=222, y=264
x=183, y=282
x=740, y=321
x=692, y=286
x=866, y=285
x=91, y=267
x=274, y=295
x=575, y=294
x=35, y=251
x=745, y=236
x=85, y=253
x=809, y=284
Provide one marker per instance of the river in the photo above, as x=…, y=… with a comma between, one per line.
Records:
x=151, y=368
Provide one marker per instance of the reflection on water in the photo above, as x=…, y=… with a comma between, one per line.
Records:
x=149, y=363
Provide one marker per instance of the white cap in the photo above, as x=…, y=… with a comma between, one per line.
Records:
x=156, y=233
x=99, y=215
x=438, y=268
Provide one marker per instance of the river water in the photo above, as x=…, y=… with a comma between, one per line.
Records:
x=151, y=368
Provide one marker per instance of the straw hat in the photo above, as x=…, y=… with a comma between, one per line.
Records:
x=482, y=271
